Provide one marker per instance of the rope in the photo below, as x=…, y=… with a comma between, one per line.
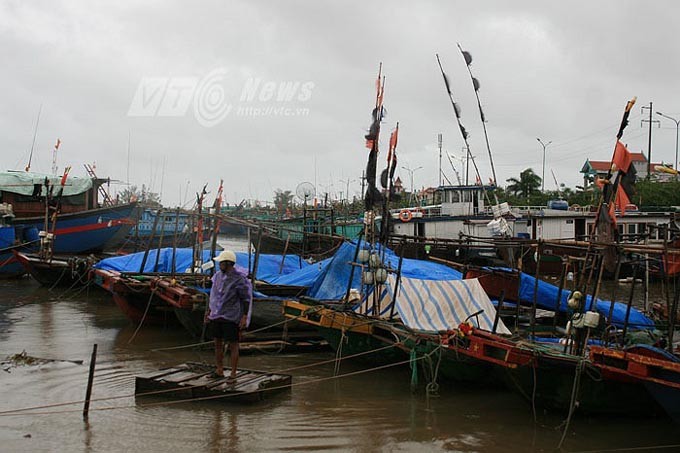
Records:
x=572, y=402
x=338, y=354
x=157, y=392
x=533, y=394
x=414, y=370
x=251, y=332
x=63, y=272
x=141, y=321
x=214, y=397
x=432, y=387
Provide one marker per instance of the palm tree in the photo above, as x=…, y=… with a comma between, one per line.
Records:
x=526, y=185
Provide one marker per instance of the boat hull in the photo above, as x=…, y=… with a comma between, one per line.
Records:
x=59, y=271
x=94, y=230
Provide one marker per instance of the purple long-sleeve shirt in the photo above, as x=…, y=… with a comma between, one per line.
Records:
x=231, y=296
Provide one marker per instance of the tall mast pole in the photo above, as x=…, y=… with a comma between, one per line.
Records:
x=440, y=159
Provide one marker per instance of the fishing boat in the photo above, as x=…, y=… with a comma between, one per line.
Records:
x=158, y=228
x=312, y=235
x=548, y=378
x=67, y=209
x=160, y=281
x=9, y=266
x=59, y=270
x=188, y=300
x=135, y=297
x=658, y=370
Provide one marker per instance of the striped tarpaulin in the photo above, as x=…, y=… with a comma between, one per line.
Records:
x=434, y=305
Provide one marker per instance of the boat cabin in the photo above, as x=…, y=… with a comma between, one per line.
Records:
x=26, y=192
x=462, y=200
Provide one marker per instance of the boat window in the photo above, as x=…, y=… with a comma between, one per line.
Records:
x=632, y=228
x=455, y=196
x=642, y=228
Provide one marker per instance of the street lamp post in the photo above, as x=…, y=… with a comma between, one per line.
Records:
x=543, y=174
x=411, y=171
x=677, y=129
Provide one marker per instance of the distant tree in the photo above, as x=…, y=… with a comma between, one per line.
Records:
x=283, y=200
x=527, y=184
x=132, y=193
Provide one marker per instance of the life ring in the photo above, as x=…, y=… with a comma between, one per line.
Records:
x=405, y=215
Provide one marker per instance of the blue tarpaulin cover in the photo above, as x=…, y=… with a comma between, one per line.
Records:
x=547, y=297
x=268, y=266
x=334, y=277
x=328, y=279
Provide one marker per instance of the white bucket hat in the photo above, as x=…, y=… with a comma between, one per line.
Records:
x=226, y=255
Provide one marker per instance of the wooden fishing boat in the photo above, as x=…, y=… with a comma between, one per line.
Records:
x=349, y=333
x=134, y=295
x=656, y=369
x=545, y=376
x=83, y=225
x=68, y=271
x=187, y=295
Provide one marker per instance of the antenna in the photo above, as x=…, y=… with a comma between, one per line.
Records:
x=35, y=133
x=557, y=185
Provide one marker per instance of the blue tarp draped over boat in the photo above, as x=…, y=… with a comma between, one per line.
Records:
x=328, y=279
x=268, y=266
x=301, y=277
x=547, y=297
x=334, y=277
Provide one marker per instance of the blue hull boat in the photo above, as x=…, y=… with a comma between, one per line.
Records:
x=90, y=231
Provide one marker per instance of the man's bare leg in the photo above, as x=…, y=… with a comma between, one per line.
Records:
x=219, y=356
x=233, y=353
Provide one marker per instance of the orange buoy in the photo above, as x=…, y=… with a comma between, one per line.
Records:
x=405, y=215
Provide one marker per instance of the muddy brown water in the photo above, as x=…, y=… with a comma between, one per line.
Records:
x=374, y=411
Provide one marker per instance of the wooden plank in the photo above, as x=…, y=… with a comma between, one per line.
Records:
x=160, y=373
x=208, y=381
x=193, y=380
x=240, y=374
x=182, y=376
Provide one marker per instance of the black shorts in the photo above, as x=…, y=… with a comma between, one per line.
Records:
x=227, y=330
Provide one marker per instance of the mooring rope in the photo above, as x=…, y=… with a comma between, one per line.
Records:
x=248, y=333
x=21, y=412
x=157, y=392
x=141, y=321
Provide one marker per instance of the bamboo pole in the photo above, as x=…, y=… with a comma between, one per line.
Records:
x=90, y=380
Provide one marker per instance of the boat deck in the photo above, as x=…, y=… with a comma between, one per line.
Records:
x=194, y=381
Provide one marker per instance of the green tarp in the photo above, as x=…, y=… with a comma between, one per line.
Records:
x=22, y=183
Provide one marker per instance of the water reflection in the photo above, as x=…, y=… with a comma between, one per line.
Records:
x=365, y=412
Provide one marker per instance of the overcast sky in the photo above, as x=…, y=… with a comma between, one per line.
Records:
x=185, y=79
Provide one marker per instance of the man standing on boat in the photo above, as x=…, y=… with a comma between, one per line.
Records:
x=228, y=310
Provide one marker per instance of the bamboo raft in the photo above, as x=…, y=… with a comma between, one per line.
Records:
x=194, y=381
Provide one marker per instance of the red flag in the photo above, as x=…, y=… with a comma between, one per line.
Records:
x=393, y=138
x=393, y=144
x=622, y=157
x=600, y=182
x=622, y=200
x=58, y=143
x=65, y=177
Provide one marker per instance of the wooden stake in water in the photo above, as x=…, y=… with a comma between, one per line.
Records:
x=90, y=378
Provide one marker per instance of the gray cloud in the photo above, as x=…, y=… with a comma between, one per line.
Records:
x=560, y=71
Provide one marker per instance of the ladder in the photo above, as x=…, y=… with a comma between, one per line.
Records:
x=102, y=192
